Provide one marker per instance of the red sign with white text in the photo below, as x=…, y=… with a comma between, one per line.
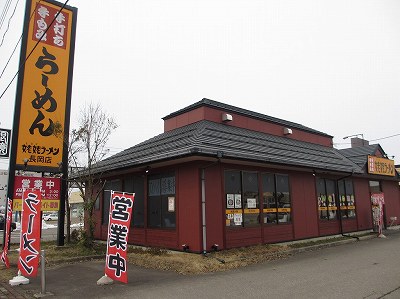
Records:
x=50, y=189
x=46, y=16
x=30, y=232
x=121, y=205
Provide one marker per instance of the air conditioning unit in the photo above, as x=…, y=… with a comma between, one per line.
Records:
x=287, y=131
x=227, y=117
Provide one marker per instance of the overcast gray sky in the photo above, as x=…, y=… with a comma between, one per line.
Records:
x=332, y=65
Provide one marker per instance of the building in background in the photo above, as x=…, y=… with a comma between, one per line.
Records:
x=3, y=189
x=221, y=177
x=76, y=204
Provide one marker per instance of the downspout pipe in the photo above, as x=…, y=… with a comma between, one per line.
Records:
x=203, y=201
x=340, y=212
x=203, y=210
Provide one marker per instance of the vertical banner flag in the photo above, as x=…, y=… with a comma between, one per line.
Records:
x=378, y=200
x=44, y=85
x=29, y=248
x=7, y=232
x=121, y=205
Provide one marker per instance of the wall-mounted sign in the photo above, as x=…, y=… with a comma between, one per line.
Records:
x=381, y=166
x=5, y=141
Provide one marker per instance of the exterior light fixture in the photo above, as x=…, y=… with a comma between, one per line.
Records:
x=25, y=163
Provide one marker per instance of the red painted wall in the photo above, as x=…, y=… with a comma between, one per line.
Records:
x=215, y=115
x=304, y=205
x=392, y=201
x=240, y=237
x=215, y=208
x=363, y=203
x=189, y=207
x=277, y=233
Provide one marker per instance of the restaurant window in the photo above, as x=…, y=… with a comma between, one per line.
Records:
x=135, y=184
x=114, y=185
x=276, y=198
x=326, y=199
x=242, y=199
x=97, y=203
x=346, y=199
x=375, y=187
x=161, y=201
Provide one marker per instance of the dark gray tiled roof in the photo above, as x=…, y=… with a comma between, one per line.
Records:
x=233, y=109
x=359, y=154
x=209, y=138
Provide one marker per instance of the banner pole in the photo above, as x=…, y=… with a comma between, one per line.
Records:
x=43, y=271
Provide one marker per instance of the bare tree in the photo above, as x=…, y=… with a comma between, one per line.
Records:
x=87, y=146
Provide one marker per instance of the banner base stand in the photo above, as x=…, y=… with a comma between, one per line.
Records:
x=104, y=280
x=19, y=279
x=41, y=295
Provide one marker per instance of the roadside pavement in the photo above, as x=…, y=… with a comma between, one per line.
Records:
x=80, y=280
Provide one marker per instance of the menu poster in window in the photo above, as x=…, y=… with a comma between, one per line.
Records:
x=251, y=203
x=238, y=201
x=230, y=201
x=171, y=204
x=237, y=219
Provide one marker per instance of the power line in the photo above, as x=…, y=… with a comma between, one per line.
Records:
x=37, y=43
x=386, y=137
x=9, y=59
x=4, y=13
x=8, y=24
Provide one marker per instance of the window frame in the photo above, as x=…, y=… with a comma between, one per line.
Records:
x=343, y=203
x=106, y=194
x=136, y=184
x=273, y=208
x=161, y=205
x=238, y=191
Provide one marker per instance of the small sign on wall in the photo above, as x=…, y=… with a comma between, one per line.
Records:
x=5, y=141
x=171, y=204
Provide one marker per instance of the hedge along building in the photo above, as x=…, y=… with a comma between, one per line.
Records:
x=224, y=176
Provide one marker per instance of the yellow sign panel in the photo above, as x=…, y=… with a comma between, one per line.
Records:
x=47, y=205
x=381, y=166
x=233, y=211
x=251, y=211
x=44, y=90
x=270, y=210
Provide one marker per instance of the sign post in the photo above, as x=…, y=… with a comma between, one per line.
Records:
x=43, y=100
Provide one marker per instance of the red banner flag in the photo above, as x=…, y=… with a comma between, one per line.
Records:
x=121, y=205
x=29, y=249
x=7, y=231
